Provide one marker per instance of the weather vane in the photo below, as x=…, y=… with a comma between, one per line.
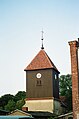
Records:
x=42, y=39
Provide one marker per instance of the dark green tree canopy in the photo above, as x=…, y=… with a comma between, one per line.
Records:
x=20, y=95
x=20, y=103
x=4, y=99
x=11, y=105
x=11, y=102
x=65, y=86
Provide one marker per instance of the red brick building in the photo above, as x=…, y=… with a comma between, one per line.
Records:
x=74, y=51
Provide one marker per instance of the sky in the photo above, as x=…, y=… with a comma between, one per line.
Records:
x=21, y=23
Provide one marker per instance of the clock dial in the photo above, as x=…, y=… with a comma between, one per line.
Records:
x=38, y=75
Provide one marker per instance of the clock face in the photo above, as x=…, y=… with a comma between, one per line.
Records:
x=38, y=75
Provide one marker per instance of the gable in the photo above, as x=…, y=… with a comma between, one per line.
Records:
x=19, y=113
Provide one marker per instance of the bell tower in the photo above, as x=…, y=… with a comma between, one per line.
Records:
x=42, y=83
x=42, y=77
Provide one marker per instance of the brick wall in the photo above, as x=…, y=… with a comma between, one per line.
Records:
x=75, y=83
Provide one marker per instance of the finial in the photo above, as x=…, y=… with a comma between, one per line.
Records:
x=42, y=39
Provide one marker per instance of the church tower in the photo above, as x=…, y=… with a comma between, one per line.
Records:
x=42, y=83
x=42, y=77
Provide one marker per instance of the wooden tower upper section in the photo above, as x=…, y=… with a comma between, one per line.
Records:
x=42, y=77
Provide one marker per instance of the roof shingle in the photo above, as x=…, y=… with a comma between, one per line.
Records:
x=41, y=61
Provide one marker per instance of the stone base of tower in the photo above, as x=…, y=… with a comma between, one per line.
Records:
x=44, y=105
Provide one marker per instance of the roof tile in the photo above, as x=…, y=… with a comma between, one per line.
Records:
x=41, y=61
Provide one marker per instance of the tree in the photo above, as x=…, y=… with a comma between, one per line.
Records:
x=20, y=103
x=10, y=106
x=4, y=100
x=7, y=100
x=65, y=85
x=20, y=95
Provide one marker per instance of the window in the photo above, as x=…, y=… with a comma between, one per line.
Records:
x=55, y=76
x=38, y=83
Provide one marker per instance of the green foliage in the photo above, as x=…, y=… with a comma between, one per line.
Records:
x=20, y=103
x=50, y=118
x=53, y=117
x=10, y=102
x=11, y=105
x=4, y=100
x=65, y=85
x=1, y=108
x=20, y=95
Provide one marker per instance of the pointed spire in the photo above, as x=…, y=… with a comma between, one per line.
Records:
x=42, y=40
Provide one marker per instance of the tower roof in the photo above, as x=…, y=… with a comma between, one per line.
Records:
x=41, y=61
